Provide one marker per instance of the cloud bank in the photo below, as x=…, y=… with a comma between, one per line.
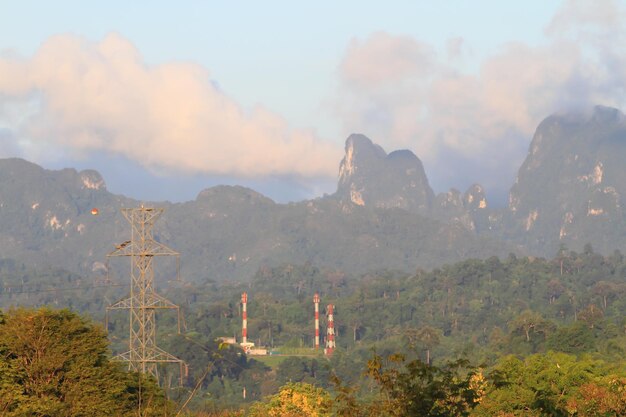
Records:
x=476, y=127
x=76, y=97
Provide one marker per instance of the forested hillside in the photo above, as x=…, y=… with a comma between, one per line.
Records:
x=566, y=311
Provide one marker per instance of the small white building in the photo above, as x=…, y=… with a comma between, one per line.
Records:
x=227, y=340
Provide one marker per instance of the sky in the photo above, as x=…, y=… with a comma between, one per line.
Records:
x=167, y=99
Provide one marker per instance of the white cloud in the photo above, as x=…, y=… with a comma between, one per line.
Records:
x=577, y=17
x=402, y=94
x=398, y=59
x=100, y=97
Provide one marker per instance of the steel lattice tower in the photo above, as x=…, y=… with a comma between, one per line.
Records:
x=144, y=354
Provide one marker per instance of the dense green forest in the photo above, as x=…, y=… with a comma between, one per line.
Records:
x=515, y=336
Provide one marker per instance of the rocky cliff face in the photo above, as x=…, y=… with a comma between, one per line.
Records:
x=570, y=189
x=469, y=209
x=370, y=177
x=228, y=232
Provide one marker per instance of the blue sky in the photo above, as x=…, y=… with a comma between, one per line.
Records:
x=267, y=92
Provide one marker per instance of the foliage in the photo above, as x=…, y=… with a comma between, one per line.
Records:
x=414, y=388
x=295, y=400
x=605, y=396
x=481, y=310
x=575, y=338
x=541, y=384
x=54, y=363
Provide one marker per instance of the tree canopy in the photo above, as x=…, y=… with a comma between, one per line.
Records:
x=56, y=363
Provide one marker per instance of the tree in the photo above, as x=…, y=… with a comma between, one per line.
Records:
x=604, y=289
x=295, y=400
x=603, y=397
x=555, y=289
x=292, y=369
x=414, y=388
x=561, y=257
x=429, y=337
x=591, y=315
x=54, y=363
x=539, y=385
x=527, y=321
x=574, y=338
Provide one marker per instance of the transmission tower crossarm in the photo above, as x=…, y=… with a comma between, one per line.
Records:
x=152, y=300
x=152, y=355
x=149, y=248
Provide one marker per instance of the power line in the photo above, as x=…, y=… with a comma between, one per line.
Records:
x=10, y=290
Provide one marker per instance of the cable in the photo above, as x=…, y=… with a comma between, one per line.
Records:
x=5, y=292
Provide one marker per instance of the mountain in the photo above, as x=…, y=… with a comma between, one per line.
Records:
x=570, y=189
x=46, y=220
x=368, y=176
x=469, y=209
x=226, y=232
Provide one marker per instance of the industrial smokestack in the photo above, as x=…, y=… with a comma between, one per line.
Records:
x=316, y=301
x=330, y=331
x=244, y=324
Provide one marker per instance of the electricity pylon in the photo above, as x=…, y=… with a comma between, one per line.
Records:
x=144, y=354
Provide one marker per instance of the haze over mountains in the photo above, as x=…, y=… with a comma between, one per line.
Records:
x=569, y=191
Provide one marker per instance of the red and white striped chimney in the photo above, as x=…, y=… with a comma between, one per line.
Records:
x=316, y=301
x=244, y=326
x=330, y=331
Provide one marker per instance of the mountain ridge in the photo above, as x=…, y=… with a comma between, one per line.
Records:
x=384, y=213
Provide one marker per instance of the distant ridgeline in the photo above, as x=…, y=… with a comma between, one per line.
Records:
x=569, y=191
